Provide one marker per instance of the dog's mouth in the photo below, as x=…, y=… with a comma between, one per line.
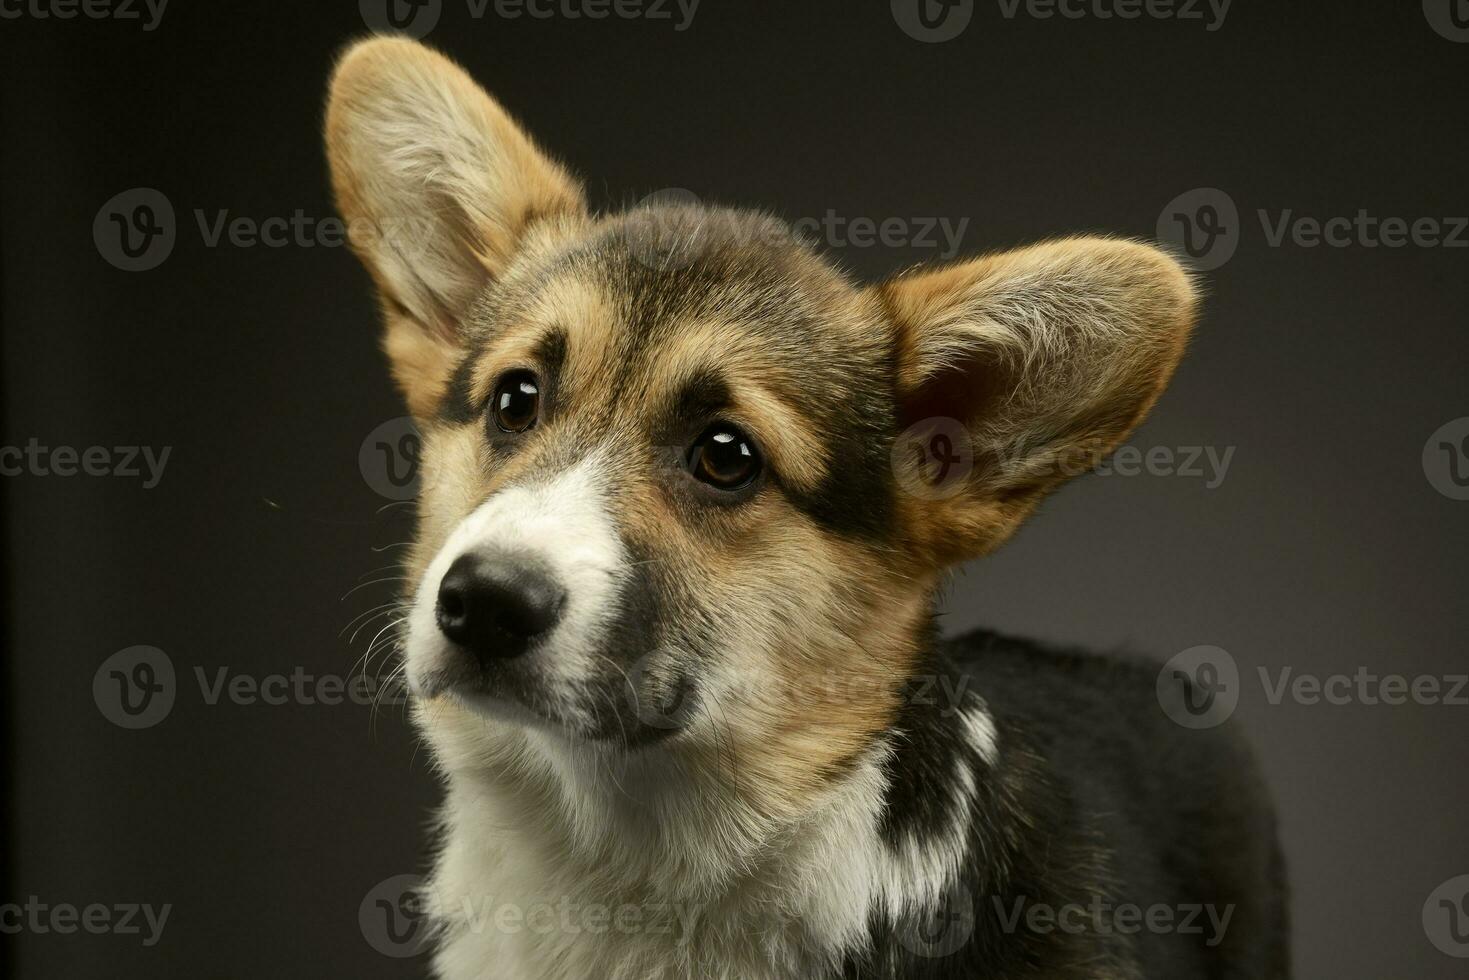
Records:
x=510, y=690
x=501, y=709
x=645, y=702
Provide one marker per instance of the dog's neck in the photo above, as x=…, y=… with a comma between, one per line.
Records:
x=685, y=837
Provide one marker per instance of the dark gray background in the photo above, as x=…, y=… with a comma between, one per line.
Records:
x=1326, y=548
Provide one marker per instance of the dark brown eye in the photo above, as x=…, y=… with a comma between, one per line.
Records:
x=517, y=402
x=724, y=457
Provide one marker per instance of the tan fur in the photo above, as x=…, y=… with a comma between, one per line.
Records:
x=800, y=630
x=1059, y=351
x=438, y=187
x=716, y=344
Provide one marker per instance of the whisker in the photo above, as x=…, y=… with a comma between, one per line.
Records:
x=366, y=612
x=383, y=688
x=395, y=566
x=393, y=607
x=397, y=622
x=377, y=581
x=719, y=751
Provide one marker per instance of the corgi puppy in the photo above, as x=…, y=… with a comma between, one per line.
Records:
x=689, y=495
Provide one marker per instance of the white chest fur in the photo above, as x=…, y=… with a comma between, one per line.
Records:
x=559, y=863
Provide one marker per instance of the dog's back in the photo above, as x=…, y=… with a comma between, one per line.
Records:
x=1117, y=843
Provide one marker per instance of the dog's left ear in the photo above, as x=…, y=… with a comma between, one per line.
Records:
x=439, y=188
x=1019, y=370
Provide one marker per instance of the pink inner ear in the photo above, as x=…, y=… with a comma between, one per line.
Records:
x=965, y=389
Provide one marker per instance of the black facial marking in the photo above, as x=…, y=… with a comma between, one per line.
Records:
x=856, y=496
x=742, y=273
x=702, y=398
x=635, y=644
x=458, y=405
x=846, y=395
x=550, y=356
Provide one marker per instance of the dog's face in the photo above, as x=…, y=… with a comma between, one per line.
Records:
x=680, y=475
x=653, y=479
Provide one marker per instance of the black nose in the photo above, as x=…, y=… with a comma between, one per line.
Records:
x=495, y=605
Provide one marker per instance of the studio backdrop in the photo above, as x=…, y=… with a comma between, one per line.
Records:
x=208, y=476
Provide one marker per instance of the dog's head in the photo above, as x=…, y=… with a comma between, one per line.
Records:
x=679, y=469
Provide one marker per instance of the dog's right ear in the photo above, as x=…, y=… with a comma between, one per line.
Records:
x=439, y=188
x=1041, y=360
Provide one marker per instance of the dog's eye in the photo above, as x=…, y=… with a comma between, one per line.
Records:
x=517, y=401
x=724, y=457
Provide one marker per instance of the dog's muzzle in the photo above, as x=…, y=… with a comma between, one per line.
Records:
x=494, y=605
